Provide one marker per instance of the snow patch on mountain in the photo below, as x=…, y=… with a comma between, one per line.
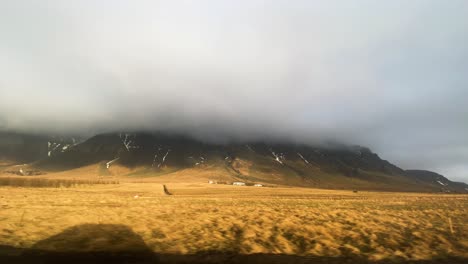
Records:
x=441, y=183
x=108, y=164
x=51, y=147
x=278, y=157
x=250, y=148
x=127, y=141
x=154, y=159
x=302, y=157
x=164, y=158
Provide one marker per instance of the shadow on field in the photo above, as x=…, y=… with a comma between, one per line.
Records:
x=92, y=243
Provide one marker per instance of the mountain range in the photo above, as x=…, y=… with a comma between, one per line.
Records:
x=170, y=157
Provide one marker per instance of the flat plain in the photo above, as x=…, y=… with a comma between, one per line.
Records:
x=201, y=217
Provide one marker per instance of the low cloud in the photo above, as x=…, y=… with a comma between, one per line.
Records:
x=391, y=75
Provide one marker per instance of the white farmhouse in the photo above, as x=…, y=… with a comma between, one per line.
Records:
x=258, y=185
x=239, y=183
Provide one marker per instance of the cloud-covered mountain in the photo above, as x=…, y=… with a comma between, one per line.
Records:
x=390, y=75
x=170, y=157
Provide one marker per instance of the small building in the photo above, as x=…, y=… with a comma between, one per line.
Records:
x=258, y=185
x=212, y=182
x=239, y=183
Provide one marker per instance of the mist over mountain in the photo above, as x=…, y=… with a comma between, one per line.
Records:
x=390, y=76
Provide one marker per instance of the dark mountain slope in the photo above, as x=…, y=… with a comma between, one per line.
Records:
x=437, y=180
x=157, y=154
x=148, y=154
x=25, y=148
x=21, y=148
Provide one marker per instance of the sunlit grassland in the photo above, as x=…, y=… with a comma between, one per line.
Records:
x=200, y=217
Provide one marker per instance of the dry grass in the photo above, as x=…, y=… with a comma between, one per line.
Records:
x=48, y=183
x=200, y=217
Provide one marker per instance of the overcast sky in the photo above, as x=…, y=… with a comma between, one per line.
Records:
x=391, y=75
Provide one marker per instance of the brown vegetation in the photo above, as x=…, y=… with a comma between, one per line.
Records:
x=47, y=183
x=246, y=220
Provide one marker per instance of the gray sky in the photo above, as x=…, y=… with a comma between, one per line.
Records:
x=391, y=75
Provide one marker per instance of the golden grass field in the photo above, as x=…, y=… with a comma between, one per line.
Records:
x=203, y=217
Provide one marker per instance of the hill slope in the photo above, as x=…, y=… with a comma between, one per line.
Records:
x=178, y=158
x=437, y=180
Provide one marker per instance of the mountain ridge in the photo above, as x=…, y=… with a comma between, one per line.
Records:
x=173, y=157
